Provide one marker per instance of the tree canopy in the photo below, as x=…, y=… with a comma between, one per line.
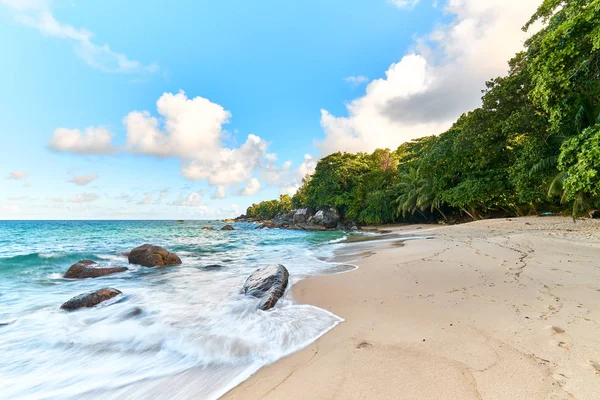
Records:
x=532, y=146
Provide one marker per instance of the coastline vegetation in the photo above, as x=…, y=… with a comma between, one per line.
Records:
x=532, y=146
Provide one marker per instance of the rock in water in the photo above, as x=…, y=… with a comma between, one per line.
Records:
x=267, y=284
x=208, y=228
x=595, y=214
x=88, y=269
x=90, y=299
x=148, y=255
x=227, y=228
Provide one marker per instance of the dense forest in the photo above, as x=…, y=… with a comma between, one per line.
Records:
x=533, y=146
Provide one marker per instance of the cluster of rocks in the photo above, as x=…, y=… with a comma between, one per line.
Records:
x=225, y=228
x=267, y=284
x=307, y=219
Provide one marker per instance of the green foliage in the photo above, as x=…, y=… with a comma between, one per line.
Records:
x=580, y=160
x=533, y=144
x=270, y=208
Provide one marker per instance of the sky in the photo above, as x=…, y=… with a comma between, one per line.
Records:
x=196, y=109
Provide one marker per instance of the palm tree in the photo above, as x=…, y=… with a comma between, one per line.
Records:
x=409, y=188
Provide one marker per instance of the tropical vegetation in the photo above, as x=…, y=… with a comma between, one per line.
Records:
x=533, y=146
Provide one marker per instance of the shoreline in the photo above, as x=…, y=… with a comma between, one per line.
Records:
x=494, y=309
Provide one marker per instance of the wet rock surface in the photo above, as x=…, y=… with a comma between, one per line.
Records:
x=268, y=284
x=227, y=228
x=148, y=255
x=90, y=269
x=90, y=299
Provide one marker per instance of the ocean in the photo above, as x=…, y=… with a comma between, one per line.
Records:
x=167, y=321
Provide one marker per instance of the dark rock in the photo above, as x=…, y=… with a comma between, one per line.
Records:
x=180, y=220
x=267, y=284
x=208, y=228
x=327, y=217
x=595, y=214
x=133, y=313
x=148, y=255
x=227, y=228
x=302, y=215
x=213, y=266
x=89, y=269
x=90, y=299
x=311, y=227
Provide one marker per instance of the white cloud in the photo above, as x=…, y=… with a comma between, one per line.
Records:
x=356, y=80
x=37, y=14
x=250, y=189
x=429, y=88
x=94, y=140
x=17, y=175
x=147, y=198
x=193, y=132
x=405, y=3
x=84, y=198
x=83, y=179
x=194, y=199
x=219, y=193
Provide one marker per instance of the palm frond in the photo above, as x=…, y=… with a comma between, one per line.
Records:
x=544, y=165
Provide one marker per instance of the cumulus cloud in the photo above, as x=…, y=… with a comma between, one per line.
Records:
x=250, y=189
x=219, y=193
x=94, y=140
x=17, y=175
x=193, y=132
x=190, y=129
x=193, y=199
x=84, y=198
x=37, y=14
x=442, y=77
x=83, y=179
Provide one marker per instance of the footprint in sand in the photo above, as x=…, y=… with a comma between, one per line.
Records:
x=596, y=367
x=564, y=345
x=363, y=345
x=558, y=329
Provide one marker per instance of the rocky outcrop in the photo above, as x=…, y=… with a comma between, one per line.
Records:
x=89, y=269
x=302, y=215
x=595, y=214
x=227, y=228
x=327, y=217
x=148, y=255
x=90, y=299
x=208, y=228
x=228, y=220
x=267, y=284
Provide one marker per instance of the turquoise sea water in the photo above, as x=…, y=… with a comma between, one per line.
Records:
x=193, y=316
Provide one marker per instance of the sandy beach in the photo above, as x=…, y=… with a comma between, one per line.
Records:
x=494, y=309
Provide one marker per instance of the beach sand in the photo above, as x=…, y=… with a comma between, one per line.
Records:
x=494, y=309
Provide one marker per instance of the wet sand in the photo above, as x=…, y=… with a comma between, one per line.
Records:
x=496, y=309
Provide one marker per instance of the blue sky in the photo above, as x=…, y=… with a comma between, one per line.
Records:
x=245, y=91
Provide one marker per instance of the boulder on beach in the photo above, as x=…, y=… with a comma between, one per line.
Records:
x=227, y=228
x=208, y=228
x=327, y=217
x=268, y=284
x=149, y=255
x=228, y=220
x=301, y=215
x=90, y=299
x=89, y=269
x=595, y=214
